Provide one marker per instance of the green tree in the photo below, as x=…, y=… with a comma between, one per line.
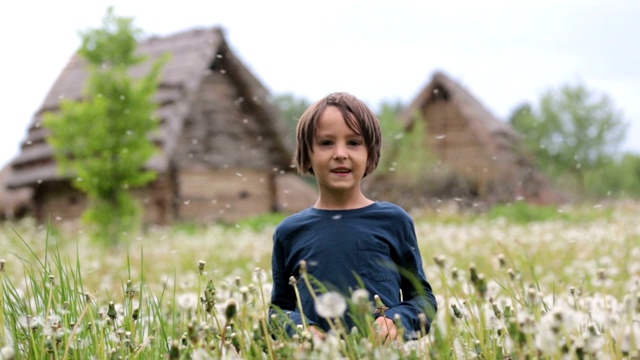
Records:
x=103, y=141
x=406, y=152
x=619, y=178
x=291, y=107
x=571, y=132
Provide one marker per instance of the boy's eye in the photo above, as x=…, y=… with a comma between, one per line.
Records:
x=355, y=143
x=325, y=142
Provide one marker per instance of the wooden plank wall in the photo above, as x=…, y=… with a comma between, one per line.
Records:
x=208, y=195
x=59, y=202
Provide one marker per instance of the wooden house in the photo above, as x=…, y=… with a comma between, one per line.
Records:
x=14, y=203
x=223, y=154
x=483, y=158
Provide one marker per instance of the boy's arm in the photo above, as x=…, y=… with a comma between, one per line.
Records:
x=283, y=307
x=416, y=301
x=283, y=295
x=417, y=295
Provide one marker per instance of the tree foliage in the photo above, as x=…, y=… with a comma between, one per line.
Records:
x=103, y=141
x=291, y=107
x=572, y=131
x=405, y=153
x=618, y=179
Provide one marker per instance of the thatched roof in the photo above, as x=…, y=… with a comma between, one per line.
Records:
x=494, y=134
x=194, y=54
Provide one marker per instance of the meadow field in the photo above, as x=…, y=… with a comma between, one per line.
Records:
x=517, y=282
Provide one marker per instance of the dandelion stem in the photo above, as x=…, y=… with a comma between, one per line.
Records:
x=263, y=322
x=74, y=331
x=305, y=326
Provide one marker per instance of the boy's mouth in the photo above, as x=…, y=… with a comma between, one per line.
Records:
x=341, y=170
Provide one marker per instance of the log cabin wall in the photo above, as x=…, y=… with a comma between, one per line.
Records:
x=158, y=200
x=57, y=201
x=227, y=195
x=223, y=166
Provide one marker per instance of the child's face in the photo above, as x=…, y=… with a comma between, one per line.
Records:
x=339, y=157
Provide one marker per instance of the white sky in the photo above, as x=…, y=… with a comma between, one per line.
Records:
x=505, y=52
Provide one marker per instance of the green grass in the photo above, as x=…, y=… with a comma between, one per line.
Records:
x=261, y=222
x=549, y=283
x=522, y=212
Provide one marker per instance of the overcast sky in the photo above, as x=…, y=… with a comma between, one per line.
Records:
x=503, y=52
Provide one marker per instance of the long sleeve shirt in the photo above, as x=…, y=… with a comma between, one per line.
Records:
x=375, y=246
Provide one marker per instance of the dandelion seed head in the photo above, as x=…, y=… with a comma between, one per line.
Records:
x=200, y=354
x=440, y=260
x=259, y=275
x=330, y=305
x=593, y=342
x=493, y=289
x=30, y=322
x=360, y=295
x=187, y=301
x=267, y=289
x=7, y=352
x=362, y=301
x=502, y=262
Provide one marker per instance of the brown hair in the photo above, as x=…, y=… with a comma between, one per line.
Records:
x=357, y=115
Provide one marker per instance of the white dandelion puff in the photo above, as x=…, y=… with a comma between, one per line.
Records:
x=331, y=305
x=187, y=301
x=360, y=295
x=361, y=299
x=7, y=352
x=259, y=275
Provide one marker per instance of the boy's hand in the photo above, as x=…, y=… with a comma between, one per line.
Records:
x=315, y=331
x=386, y=330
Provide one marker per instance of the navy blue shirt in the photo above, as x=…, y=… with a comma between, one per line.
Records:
x=374, y=245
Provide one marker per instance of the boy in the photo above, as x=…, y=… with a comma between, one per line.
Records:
x=347, y=239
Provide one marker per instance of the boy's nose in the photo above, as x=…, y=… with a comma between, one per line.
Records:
x=340, y=152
